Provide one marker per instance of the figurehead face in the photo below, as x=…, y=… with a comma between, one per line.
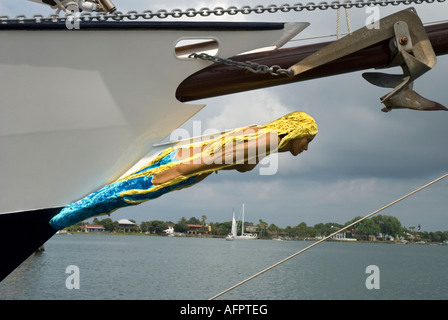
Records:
x=297, y=145
x=293, y=128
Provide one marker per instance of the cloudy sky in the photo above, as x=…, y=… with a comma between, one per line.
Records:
x=361, y=160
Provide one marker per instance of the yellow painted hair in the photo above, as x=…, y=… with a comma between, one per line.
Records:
x=294, y=125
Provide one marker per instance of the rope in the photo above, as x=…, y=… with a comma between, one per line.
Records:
x=338, y=21
x=331, y=235
x=347, y=19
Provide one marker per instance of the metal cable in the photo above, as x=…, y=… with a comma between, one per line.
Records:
x=331, y=235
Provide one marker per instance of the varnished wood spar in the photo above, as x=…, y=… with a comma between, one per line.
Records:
x=219, y=79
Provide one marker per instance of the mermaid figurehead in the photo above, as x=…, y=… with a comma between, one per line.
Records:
x=168, y=172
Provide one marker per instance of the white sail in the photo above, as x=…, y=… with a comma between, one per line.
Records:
x=233, y=224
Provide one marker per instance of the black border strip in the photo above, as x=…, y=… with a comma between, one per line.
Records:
x=147, y=25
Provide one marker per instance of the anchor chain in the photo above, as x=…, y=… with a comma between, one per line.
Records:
x=253, y=67
x=217, y=11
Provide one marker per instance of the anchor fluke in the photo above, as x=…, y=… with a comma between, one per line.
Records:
x=403, y=96
x=407, y=98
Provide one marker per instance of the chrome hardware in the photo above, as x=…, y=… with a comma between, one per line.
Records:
x=107, y=6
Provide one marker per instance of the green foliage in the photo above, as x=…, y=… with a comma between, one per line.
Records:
x=221, y=228
x=108, y=224
x=193, y=220
x=376, y=226
x=181, y=225
x=155, y=226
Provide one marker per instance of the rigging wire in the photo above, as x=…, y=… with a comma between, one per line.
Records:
x=331, y=235
x=346, y=33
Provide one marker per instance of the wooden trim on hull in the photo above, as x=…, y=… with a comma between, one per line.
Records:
x=220, y=79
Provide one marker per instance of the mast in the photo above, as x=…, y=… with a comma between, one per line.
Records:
x=233, y=224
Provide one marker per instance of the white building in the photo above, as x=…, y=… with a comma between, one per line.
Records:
x=126, y=225
x=170, y=230
x=341, y=237
x=93, y=228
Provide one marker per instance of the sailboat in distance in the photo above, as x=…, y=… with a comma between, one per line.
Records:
x=233, y=235
x=245, y=235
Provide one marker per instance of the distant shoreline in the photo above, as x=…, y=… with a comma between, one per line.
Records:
x=223, y=237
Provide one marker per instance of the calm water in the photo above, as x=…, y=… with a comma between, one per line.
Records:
x=132, y=267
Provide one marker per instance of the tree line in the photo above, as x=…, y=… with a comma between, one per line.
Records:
x=378, y=226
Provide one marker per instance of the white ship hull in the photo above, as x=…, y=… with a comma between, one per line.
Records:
x=248, y=236
x=80, y=107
